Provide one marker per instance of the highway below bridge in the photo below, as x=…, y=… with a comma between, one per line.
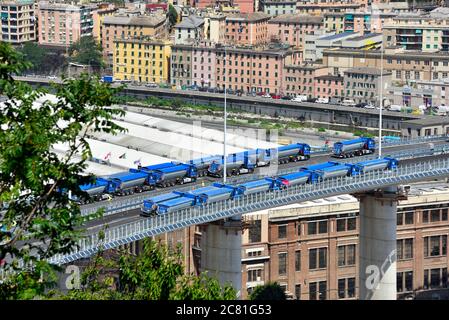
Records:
x=126, y=209
x=303, y=111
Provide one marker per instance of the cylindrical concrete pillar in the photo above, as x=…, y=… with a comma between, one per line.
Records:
x=377, y=245
x=221, y=247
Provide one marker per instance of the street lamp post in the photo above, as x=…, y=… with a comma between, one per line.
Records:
x=225, y=118
x=381, y=103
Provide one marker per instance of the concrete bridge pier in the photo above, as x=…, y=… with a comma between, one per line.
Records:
x=377, y=244
x=221, y=247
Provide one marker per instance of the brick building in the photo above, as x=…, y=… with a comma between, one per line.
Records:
x=247, y=29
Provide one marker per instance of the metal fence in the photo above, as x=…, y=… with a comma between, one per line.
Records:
x=143, y=228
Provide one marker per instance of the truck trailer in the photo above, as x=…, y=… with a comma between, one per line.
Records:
x=355, y=147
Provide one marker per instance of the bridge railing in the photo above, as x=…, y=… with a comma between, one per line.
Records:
x=152, y=226
x=136, y=201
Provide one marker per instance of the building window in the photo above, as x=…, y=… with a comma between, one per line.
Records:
x=346, y=288
x=405, y=218
x=254, y=231
x=435, y=246
x=282, y=231
x=314, y=227
x=317, y=290
x=404, y=249
x=298, y=291
x=435, y=278
x=255, y=275
x=298, y=260
x=404, y=281
x=282, y=263
x=346, y=224
x=317, y=258
x=346, y=255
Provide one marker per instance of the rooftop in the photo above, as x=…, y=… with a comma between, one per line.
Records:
x=143, y=20
x=365, y=36
x=190, y=22
x=369, y=71
x=296, y=18
x=250, y=17
x=330, y=77
x=338, y=36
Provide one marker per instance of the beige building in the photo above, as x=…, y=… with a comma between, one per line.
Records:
x=311, y=248
x=416, y=31
x=61, y=24
x=18, y=21
x=405, y=66
x=300, y=79
x=363, y=84
x=214, y=28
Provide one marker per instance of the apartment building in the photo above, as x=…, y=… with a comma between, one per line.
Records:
x=98, y=19
x=193, y=65
x=215, y=27
x=122, y=26
x=293, y=28
x=190, y=28
x=312, y=248
x=245, y=6
x=334, y=22
x=61, y=24
x=363, y=84
x=300, y=79
x=18, y=24
x=142, y=59
x=247, y=29
x=254, y=69
x=328, y=86
x=405, y=66
x=277, y=7
x=416, y=31
x=366, y=22
x=320, y=7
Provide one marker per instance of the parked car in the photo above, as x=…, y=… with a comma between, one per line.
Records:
x=360, y=105
x=53, y=77
x=311, y=99
x=239, y=92
x=369, y=106
x=151, y=85
x=395, y=107
x=286, y=98
x=212, y=89
x=260, y=93
x=275, y=96
x=251, y=94
x=202, y=89
x=266, y=95
x=322, y=100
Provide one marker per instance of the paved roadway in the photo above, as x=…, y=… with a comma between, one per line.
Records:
x=133, y=215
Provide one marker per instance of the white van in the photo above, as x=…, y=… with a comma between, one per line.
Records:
x=442, y=110
x=300, y=98
x=322, y=100
x=395, y=107
x=348, y=103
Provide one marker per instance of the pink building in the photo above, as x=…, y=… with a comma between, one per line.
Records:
x=292, y=28
x=247, y=28
x=245, y=6
x=254, y=70
x=62, y=24
x=328, y=86
x=204, y=65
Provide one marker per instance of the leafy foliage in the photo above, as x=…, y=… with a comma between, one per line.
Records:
x=39, y=219
x=172, y=15
x=156, y=273
x=269, y=291
x=43, y=60
x=87, y=51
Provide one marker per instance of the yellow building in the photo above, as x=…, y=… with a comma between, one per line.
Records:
x=98, y=18
x=142, y=60
x=334, y=22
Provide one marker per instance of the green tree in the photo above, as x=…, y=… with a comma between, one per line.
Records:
x=269, y=291
x=172, y=15
x=37, y=217
x=156, y=273
x=43, y=60
x=88, y=52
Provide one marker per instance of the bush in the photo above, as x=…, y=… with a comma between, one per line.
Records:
x=321, y=129
x=269, y=291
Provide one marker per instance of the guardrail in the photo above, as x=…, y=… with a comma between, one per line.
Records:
x=143, y=228
x=136, y=202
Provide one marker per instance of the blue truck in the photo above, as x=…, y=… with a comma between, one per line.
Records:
x=293, y=179
x=235, y=165
x=293, y=152
x=125, y=183
x=107, y=79
x=260, y=157
x=340, y=170
x=175, y=204
x=355, y=147
x=169, y=176
x=375, y=164
x=202, y=164
x=96, y=190
x=149, y=206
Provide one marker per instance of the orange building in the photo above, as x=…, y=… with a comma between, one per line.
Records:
x=247, y=28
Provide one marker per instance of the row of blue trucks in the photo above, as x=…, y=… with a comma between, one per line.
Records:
x=177, y=200
x=163, y=175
